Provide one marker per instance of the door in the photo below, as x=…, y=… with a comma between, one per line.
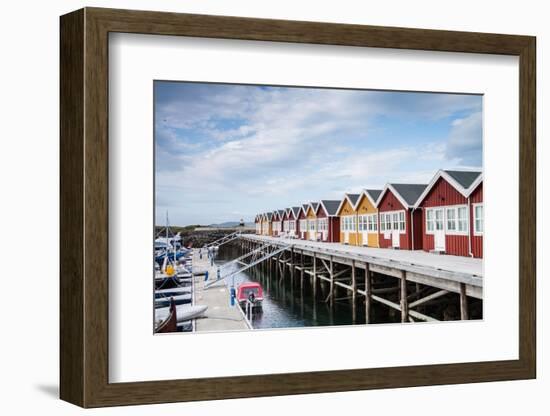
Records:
x=395, y=234
x=439, y=231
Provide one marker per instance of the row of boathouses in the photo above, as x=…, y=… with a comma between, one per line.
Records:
x=443, y=216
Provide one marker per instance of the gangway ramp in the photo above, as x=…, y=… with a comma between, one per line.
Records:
x=265, y=253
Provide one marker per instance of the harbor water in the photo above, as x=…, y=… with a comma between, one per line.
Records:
x=285, y=305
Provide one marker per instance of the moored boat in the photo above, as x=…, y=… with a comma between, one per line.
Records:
x=250, y=292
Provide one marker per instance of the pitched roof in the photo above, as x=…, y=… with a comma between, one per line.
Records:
x=314, y=206
x=330, y=206
x=463, y=177
x=281, y=213
x=409, y=192
x=296, y=211
x=374, y=193
x=353, y=198
x=464, y=181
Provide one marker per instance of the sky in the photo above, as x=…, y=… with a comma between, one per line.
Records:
x=225, y=152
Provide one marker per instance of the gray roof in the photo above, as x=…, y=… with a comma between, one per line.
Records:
x=269, y=215
x=315, y=205
x=353, y=198
x=296, y=211
x=331, y=206
x=464, y=178
x=374, y=193
x=281, y=212
x=409, y=192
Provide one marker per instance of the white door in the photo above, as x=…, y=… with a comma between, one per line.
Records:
x=395, y=230
x=439, y=231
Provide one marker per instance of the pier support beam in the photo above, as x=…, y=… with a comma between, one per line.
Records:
x=404, y=303
x=353, y=292
x=332, y=287
x=314, y=276
x=463, y=303
x=368, y=294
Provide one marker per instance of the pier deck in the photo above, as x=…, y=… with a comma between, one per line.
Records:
x=446, y=272
x=220, y=315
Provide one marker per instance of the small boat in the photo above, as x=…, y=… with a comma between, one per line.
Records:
x=250, y=292
x=163, y=301
x=183, y=312
x=169, y=323
x=175, y=291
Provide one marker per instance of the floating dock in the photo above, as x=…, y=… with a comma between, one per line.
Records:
x=220, y=315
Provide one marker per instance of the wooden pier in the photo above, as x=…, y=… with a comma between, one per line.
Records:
x=220, y=315
x=407, y=282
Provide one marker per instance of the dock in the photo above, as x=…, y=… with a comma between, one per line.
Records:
x=220, y=315
x=421, y=278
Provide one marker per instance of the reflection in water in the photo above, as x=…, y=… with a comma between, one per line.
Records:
x=291, y=305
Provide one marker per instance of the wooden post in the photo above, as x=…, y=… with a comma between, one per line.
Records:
x=368, y=294
x=463, y=303
x=353, y=292
x=332, y=286
x=404, y=304
x=314, y=276
x=292, y=264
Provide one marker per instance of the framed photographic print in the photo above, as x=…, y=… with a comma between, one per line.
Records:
x=255, y=207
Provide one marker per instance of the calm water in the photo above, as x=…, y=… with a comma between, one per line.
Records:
x=286, y=305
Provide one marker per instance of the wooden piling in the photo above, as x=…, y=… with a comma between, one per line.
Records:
x=353, y=292
x=368, y=294
x=314, y=276
x=404, y=304
x=463, y=303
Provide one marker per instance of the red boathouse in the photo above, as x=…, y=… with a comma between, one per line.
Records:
x=400, y=224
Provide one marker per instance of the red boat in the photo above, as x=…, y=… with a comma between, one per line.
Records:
x=252, y=292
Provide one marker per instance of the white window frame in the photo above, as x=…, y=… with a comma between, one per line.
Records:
x=291, y=225
x=474, y=219
x=322, y=224
x=401, y=220
x=303, y=225
x=310, y=223
x=362, y=222
x=456, y=221
x=372, y=223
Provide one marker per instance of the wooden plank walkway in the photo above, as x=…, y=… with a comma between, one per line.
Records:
x=220, y=315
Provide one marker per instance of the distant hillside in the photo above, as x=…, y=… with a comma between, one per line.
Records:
x=231, y=224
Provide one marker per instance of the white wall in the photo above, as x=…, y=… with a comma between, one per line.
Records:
x=29, y=178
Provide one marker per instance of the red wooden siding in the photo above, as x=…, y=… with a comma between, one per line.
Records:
x=391, y=203
x=334, y=229
x=477, y=240
x=441, y=195
x=444, y=194
x=302, y=216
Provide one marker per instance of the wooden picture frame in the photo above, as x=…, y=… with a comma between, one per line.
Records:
x=84, y=207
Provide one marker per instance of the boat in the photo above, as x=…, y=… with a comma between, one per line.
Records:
x=250, y=292
x=169, y=322
x=163, y=301
x=175, y=291
x=183, y=312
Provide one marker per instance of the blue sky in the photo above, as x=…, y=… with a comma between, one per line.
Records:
x=225, y=152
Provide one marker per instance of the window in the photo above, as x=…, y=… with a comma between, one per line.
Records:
x=402, y=220
x=286, y=224
x=463, y=219
x=430, y=224
x=478, y=219
x=303, y=225
x=451, y=219
x=382, y=223
x=438, y=219
x=292, y=225
x=322, y=224
x=372, y=223
x=311, y=225
x=362, y=222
